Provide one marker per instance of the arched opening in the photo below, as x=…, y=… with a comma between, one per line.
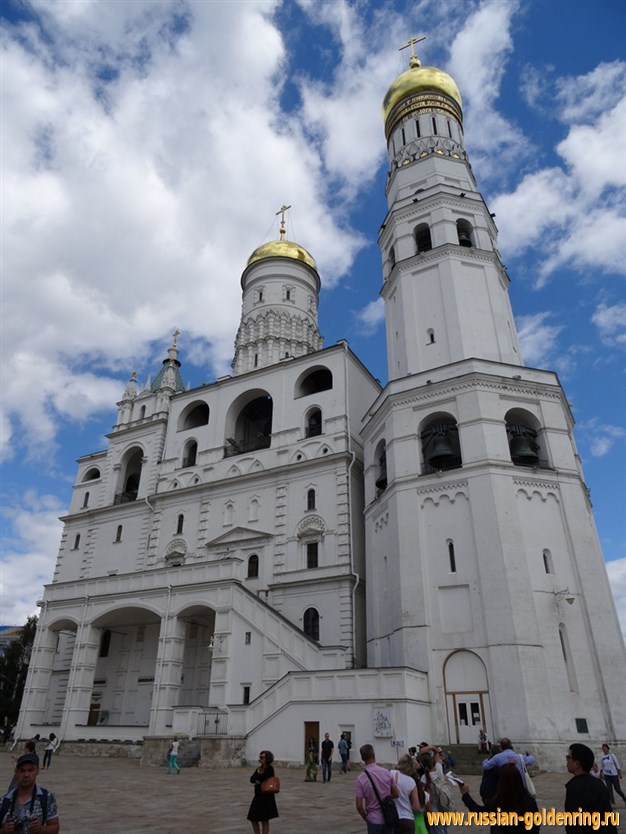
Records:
x=253, y=566
x=524, y=437
x=465, y=233
x=392, y=257
x=467, y=697
x=180, y=523
x=131, y=476
x=380, y=459
x=195, y=415
x=311, y=624
x=91, y=474
x=313, y=423
x=85, y=501
x=441, y=448
x=190, y=453
x=451, y=557
x=423, y=241
x=252, y=427
x=430, y=336
x=310, y=499
x=118, y=533
x=142, y=412
x=547, y=562
x=76, y=541
x=320, y=379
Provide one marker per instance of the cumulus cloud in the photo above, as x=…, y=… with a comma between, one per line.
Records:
x=30, y=552
x=616, y=570
x=575, y=211
x=611, y=323
x=538, y=338
x=371, y=316
x=601, y=437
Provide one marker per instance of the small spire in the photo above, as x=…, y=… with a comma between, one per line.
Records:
x=414, y=60
x=173, y=351
x=131, y=389
x=282, y=211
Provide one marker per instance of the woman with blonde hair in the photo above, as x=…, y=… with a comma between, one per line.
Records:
x=409, y=767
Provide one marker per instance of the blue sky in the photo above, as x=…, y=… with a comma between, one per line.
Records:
x=147, y=146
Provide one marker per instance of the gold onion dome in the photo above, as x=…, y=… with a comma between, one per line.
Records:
x=282, y=249
x=417, y=81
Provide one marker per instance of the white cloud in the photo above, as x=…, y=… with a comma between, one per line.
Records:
x=30, y=552
x=371, y=316
x=574, y=213
x=611, y=322
x=538, y=338
x=601, y=437
x=616, y=570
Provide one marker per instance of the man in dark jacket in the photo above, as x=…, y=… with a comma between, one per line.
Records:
x=586, y=793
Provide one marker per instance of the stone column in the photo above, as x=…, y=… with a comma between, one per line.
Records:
x=35, y=698
x=80, y=683
x=168, y=674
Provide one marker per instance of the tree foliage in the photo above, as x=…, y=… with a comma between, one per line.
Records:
x=13, y=670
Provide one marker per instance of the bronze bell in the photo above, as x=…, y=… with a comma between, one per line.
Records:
x=521, y=448
x=465, y=239
x=441, y=452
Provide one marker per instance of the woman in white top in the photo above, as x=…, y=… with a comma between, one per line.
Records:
x=51, y=746
x=407, y=804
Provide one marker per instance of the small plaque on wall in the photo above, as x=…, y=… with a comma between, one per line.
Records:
x=381, y=722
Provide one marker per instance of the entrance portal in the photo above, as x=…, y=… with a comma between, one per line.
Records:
x=467, y=697
x=311, y=739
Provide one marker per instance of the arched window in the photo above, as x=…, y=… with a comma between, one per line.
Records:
x=465, y=233
x=180, y=523
x=190, y=453
x=314, y=423
x=380, y=458
x=142, y=412
x=451, y=557
x=85, y=501
x=313, y=382
x=423, y=241
x=253, y=566
x=118, y=533
x=249, y=425
x=441, y=449
x=547, y=562
x=91, y=474
x=430, y=334
x=311, y=623
x=195, y=415
x=105, y=643
x=131, y=476
x=77, y=541
x=525, y=445
x=392, y=257
x=310, y=499
x=567, y=658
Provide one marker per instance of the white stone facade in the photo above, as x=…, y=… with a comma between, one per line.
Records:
x=293, y=550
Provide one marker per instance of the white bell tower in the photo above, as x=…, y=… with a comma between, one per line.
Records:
x=445, y=289
x=484, y=568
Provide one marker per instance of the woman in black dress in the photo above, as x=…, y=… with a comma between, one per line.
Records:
x=263, y=805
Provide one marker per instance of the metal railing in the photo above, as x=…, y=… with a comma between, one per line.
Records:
x=240, y=447
x=449, y=462
x=213, y=722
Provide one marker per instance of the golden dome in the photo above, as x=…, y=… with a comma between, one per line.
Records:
x=282, y=249
x=417, y=80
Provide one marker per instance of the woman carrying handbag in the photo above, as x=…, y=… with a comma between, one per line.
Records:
x=263, y=805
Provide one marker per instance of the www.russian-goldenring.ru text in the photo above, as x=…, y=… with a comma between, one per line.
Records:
x=544, y=816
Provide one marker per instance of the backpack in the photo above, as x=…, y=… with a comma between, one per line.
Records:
x=445, y=797
x=8, y=804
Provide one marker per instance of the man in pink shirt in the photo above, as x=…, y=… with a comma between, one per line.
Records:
x=367, y=804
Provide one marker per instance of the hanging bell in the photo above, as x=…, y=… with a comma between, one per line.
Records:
x=465, y=239
x=521, y=448
x=441, y=452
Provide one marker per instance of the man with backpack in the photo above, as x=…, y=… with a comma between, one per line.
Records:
x=28, y=809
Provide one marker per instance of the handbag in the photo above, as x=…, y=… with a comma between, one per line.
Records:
x=387, y=806
x=271, y=785
x=528, y=782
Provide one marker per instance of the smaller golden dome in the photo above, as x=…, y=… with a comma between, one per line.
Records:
x=417, y=80
x=282, y=249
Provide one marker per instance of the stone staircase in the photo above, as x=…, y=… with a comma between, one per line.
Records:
x=467, y=759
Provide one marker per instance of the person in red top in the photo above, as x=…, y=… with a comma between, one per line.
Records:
x=367, y=805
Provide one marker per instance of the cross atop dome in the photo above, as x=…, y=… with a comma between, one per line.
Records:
x=282, y=211
x=414, y=61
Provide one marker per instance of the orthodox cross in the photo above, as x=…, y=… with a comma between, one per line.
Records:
x=411, y=42
x=282, y=211
x=175, y=336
